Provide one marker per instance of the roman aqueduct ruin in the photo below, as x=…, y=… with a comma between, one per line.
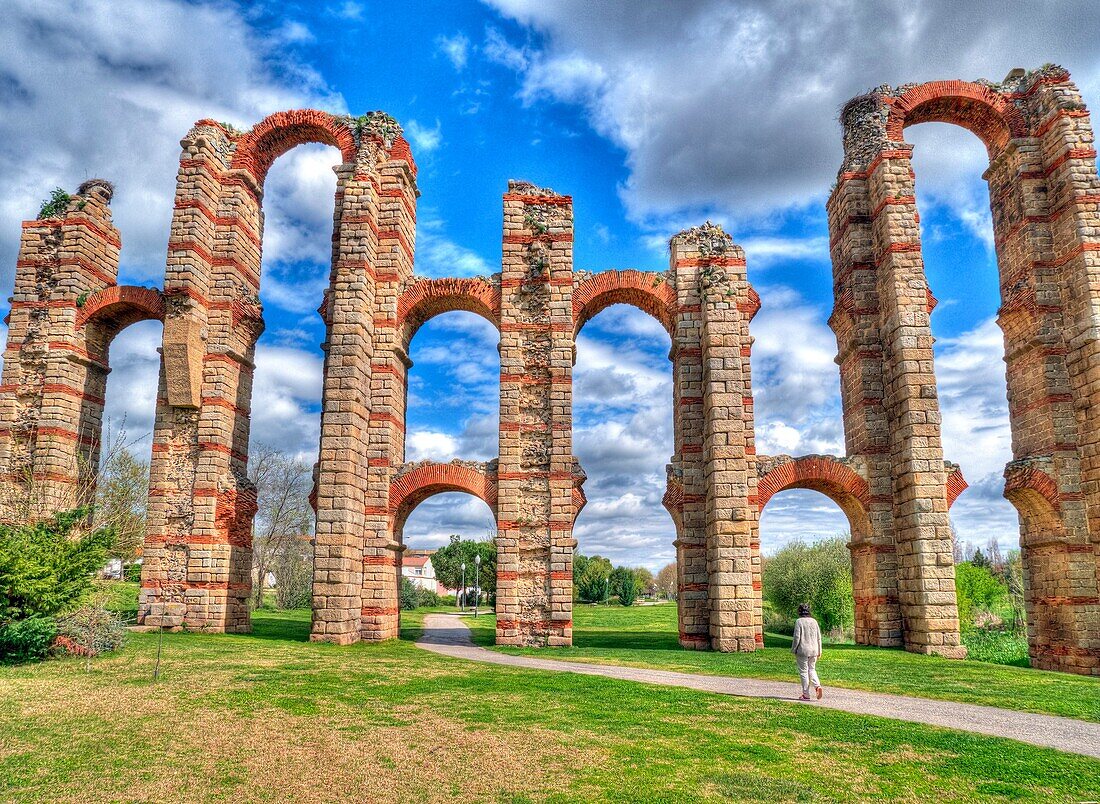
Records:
x=893, y=483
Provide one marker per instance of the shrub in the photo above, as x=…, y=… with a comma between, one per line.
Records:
x=90, y=631
x=55, y=205
x=819, y=574
x=996, y=646
x=591, y=578
x=26, y=640
x=47, y=567
x=426, y=597
x=978, y=592
x=410, y=595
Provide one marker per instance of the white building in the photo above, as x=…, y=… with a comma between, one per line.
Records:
x=417, y=567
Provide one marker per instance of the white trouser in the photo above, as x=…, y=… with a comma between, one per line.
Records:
x=807, y=671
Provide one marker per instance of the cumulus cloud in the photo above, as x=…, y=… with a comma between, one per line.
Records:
x=456, y=49
x=437, y=254
x=796, y=384
x=424, y=139
x=156, y=66
x=732, y=107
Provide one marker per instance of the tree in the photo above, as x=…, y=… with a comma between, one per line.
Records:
x=284, y=517
x=447, y=562
x=666, y=581
x=818, y=574
x=646, y=581
x=122, y=495
x=46, y=568
x=626, y=584
x=978, y=559
x=592, y=584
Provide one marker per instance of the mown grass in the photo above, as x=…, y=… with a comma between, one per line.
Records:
x=272, y=717
x=646, y=636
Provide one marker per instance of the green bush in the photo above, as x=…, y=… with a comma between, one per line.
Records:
x=47, y=567
x=132, y=573
x=426, y=598
x=55, y=205
x=978, y=591
x=26, y=640
x=90, y=631
x=819, y=574
x=410, y=595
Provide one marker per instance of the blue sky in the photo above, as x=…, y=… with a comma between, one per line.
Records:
x=653, y=116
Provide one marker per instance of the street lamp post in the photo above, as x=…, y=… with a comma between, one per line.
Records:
x=463, y=592
x=477, y=582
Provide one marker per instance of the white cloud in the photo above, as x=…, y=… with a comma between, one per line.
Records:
x=430, y=445
x=155, y=66
x=350, y=11
x=425, y=140
x=731, y=108
x=760, y=252
x=456, y=48
x=438, y=255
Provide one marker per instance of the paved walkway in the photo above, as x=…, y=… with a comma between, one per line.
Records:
x=448, y=635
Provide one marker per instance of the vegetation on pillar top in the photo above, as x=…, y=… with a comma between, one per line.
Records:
x=376, y=124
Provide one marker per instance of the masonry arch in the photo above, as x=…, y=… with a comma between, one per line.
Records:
x=877, y=616
x=100, y=318
x=624, y=419
x=415, y=483
x=425, y=299
x=648, y=291
x=214, y=319
x=977, y=108
x=1032, y=126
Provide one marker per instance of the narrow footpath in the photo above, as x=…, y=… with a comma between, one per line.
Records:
x=448, y=635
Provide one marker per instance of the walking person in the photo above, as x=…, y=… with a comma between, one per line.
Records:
x=806, y=647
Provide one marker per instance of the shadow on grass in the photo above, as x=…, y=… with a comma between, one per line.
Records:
x=281, y=626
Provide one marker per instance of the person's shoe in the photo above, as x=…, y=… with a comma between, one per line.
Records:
x=820, y=692
x=804, y=697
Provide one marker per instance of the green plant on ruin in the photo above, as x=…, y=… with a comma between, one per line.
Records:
x=55, y=205
x=376, y=124
x=535, y=219
x=82, y=299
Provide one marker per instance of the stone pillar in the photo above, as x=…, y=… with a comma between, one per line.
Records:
x=1055, y=174
x=686, y=471
x=926, y=569
x=730, y=517
x=169, y=571
x=51, y=404
x=866, y=431
x=536, y=476
x=386, y=400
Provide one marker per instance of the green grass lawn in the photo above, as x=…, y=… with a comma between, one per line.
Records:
x=646, y=636
x=270, y=716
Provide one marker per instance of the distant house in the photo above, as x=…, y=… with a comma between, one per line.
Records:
x=416, y=565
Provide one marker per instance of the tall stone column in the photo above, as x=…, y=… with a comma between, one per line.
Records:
x=866, y=431
x=535, y=475
x=687, y=471
x=874, y=217
x=51, y=400
x=1057, y=176
x=730, y=517
x=386, y=391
